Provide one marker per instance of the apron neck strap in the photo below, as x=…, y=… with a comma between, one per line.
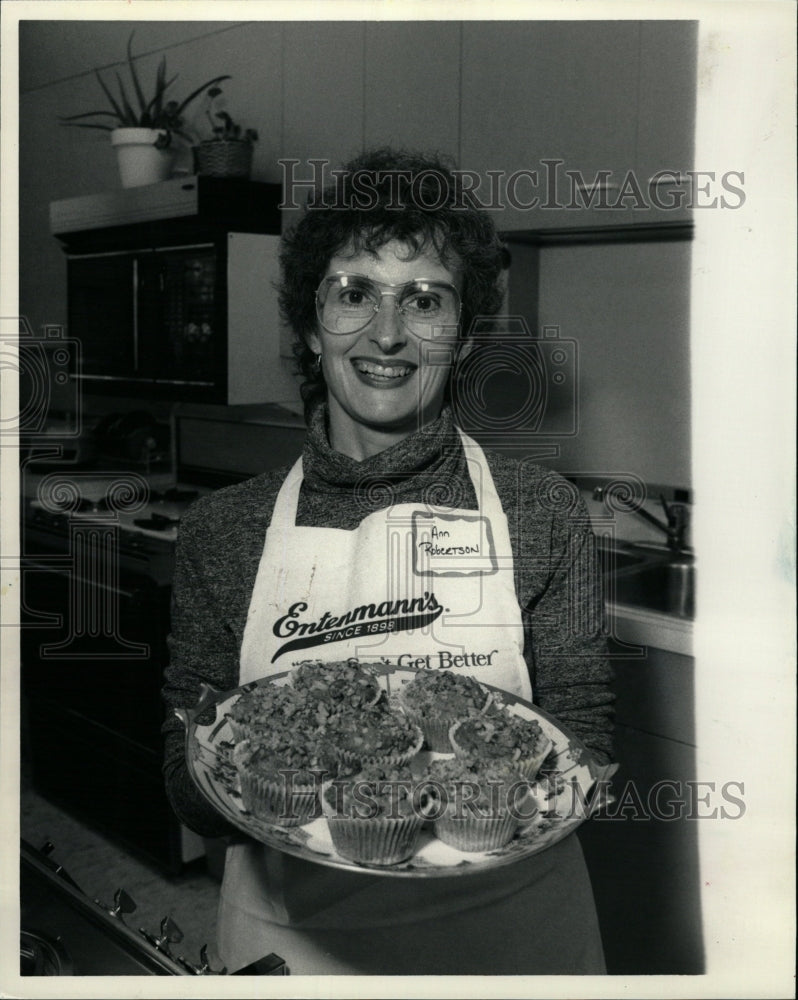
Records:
x=285, y=506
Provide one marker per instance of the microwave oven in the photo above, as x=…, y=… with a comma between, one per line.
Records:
x=174, y=296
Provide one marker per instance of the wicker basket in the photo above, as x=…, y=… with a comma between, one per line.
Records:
x=223, y=158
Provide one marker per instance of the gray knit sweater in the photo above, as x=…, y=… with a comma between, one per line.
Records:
x=557, y=582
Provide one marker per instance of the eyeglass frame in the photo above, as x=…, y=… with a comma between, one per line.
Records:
x=381, y=285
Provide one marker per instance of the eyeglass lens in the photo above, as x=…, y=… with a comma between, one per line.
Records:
x=347, y=303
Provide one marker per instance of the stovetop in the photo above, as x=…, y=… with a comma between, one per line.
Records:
x=143, y=504
x=139, y=513
x=64, y=933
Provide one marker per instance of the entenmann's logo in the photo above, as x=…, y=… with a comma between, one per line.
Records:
x=368, y=619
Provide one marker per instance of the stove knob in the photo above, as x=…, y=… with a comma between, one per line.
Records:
x=170, y=931
x=205, y=969
x=170, y=934
x=194, y=970
x=123, y=903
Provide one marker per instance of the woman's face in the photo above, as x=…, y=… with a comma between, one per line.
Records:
x=384, y=381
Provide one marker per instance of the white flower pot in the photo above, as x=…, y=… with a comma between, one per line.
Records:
x=140, y=160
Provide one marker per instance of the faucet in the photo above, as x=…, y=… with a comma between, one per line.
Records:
x=674, y=526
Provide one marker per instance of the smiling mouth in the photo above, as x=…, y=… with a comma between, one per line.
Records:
x=386, y=373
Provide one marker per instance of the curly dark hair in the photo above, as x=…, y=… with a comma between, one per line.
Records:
x=383, y=195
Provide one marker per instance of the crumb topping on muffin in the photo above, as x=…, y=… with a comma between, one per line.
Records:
x=267, y=704
x=468, y=785
x=279, y=756
x=500, y=736
x=375, y=733
x=444, y=692
x=343, y=682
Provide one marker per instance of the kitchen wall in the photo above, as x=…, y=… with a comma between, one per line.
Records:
x=626, y=306
x=597, y=94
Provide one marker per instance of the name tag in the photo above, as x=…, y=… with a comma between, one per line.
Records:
x=452, y=545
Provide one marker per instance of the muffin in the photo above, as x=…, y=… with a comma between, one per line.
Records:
x=435, y=700
x=266, y=707
x=374, y=817
x=476, y=805
x=280, y=777
x=347, y=683
x=502, y=737
x=378, y=736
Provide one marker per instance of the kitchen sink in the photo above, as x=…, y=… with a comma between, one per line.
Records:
x=618, y=560
x=655, y=579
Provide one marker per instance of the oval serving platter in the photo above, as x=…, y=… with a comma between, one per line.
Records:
x=569, y=788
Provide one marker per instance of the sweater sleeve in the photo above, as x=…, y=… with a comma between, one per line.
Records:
x=202, y=647
x=563, y=608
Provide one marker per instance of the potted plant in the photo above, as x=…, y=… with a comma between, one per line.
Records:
x=141, y=125
x=228, y=153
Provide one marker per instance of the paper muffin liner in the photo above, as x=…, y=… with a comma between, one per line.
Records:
x=475, y=833
x=352, y=758
x=276, y=801
x=241, y=731
x=381, y=840
x=527, y=767
x=436, y=725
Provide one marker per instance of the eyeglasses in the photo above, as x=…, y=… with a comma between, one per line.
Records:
x=347, y=303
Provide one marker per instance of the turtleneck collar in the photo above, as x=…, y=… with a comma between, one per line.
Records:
x=429, y=452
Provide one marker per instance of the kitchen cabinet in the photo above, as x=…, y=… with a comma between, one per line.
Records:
x=643, y=854
x=540, y=91
x=666, y=118
x=602, y=99
x=92, y=709
x=323, y=88
x=322, y=103
x=412, y=101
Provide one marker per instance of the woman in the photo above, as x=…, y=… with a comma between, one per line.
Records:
x=382, y=280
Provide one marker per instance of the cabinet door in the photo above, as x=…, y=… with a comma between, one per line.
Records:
x=92, y=661
x=323, y=102
x=101, y=314
x=557, y=91
x=94, y=649
x=643, y=866
x=643, y=854
x=666, y=118
x=113, y=785
x=412, y=85
x=655, y=694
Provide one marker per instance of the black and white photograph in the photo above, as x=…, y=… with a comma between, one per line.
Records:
x=398, y=518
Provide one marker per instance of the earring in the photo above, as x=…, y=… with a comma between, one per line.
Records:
x=317, y=364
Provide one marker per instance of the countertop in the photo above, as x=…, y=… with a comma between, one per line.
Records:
x=643, y=627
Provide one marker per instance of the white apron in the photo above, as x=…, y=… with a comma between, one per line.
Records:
x=419, y=586
x=427, y=587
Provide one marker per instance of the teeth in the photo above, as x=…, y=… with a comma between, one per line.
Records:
x=385, y=371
